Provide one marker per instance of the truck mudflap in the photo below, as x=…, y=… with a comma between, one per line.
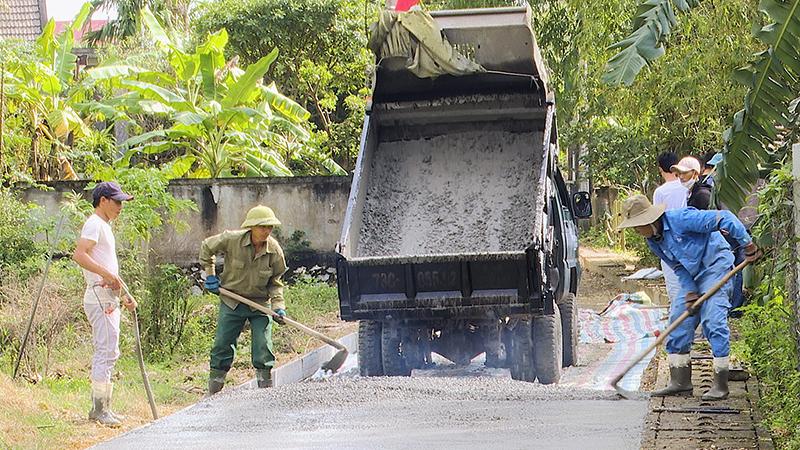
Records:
x=482, y=286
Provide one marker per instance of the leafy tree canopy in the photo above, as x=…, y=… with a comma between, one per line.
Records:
x=325, y=57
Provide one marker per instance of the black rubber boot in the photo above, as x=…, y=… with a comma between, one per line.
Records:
x=264, y=378
x=680, y=377
x=719, y=389
x=216, y=380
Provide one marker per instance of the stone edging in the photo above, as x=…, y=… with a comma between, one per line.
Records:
x=305, y=366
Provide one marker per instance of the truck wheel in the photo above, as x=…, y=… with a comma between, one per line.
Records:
x=547, y=347
x=394, y=362
x=370, y=363
x=522, y=362
x=568, y=307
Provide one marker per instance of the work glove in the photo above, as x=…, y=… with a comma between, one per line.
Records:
x=691, y=297
x=752, y=253
x=212, y=284
x=280, y=313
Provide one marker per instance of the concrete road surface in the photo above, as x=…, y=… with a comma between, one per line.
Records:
x=420, y=412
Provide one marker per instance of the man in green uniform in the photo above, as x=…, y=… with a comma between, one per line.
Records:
x=254, y=264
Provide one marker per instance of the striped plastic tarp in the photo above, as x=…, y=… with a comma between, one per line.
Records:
x=631, y=327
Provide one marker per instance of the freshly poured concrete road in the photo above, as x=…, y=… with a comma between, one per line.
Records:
x=418, y=412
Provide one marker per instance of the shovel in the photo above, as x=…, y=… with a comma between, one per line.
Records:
x=631, y=395
x=333, y=365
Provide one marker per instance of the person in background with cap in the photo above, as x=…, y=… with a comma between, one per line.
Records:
x=690, y=242
x=688, y=171
x=254, y=264
x=672, y=195
x=710, y=161
x=737, y=293
x=96, y=253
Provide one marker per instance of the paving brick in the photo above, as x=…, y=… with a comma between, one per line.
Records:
x=690, y=422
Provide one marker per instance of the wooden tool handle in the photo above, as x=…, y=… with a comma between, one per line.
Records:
x=291, y=322
x=679, y=320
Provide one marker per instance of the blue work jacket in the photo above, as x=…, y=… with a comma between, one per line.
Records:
x=693, y=247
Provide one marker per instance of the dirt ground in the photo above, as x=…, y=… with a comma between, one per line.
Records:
x=601, y=276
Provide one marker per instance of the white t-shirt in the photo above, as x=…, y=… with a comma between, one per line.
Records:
x=105, y=250
x=672, y=194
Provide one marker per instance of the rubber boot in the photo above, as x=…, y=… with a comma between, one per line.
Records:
x=101, y=398
x=216, y=380
x=680, y=376
x=264, y=378
x=719, y=389
x=119, y=417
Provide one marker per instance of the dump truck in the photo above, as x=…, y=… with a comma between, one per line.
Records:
x=460, y=233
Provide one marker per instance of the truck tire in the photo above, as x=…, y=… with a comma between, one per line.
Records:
x=568, y=307
x=522, y=356
x=547, y=349
x=370, y=363
x=394, y=362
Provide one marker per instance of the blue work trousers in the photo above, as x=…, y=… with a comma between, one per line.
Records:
x=713, y=316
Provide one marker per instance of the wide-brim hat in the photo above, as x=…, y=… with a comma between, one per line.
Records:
x=259, y=216
x=637, y=211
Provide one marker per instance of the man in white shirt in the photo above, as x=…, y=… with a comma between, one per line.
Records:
x=96, y=253
x=673, y=195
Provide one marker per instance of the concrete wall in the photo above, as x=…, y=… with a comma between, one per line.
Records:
x=314, y=205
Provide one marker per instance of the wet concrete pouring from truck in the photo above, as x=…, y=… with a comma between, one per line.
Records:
x=467, y=192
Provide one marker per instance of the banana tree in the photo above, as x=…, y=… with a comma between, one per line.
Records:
x=223, y=121
x=770, y=110
x=46, y=92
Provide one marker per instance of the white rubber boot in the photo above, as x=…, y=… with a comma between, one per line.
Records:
x=101, y=398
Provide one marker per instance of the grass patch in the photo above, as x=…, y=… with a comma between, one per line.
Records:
x=48, y=409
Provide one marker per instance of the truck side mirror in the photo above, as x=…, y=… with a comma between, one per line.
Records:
x=582, y=205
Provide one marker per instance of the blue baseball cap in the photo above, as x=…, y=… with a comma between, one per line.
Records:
x=715, y=160
x=110, y=189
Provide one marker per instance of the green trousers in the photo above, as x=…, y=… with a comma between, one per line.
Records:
x=229, y=325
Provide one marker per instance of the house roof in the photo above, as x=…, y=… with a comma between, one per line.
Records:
x=91, y=25
x=22, y=19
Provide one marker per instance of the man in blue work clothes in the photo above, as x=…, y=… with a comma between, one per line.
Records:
x=689, y=241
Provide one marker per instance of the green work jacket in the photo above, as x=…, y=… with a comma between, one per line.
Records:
x=255, y=276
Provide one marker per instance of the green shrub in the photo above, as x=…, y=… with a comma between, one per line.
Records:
x=164, y=311
x=17, y=232
x=770, y=348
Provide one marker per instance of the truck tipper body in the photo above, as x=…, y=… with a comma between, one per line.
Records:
x=460, y=236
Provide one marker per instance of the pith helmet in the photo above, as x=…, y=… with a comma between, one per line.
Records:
x=260, y=216
x=638, y=211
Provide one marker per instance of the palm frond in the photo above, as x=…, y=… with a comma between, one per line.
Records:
x=651, y=28
x=772, y=80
